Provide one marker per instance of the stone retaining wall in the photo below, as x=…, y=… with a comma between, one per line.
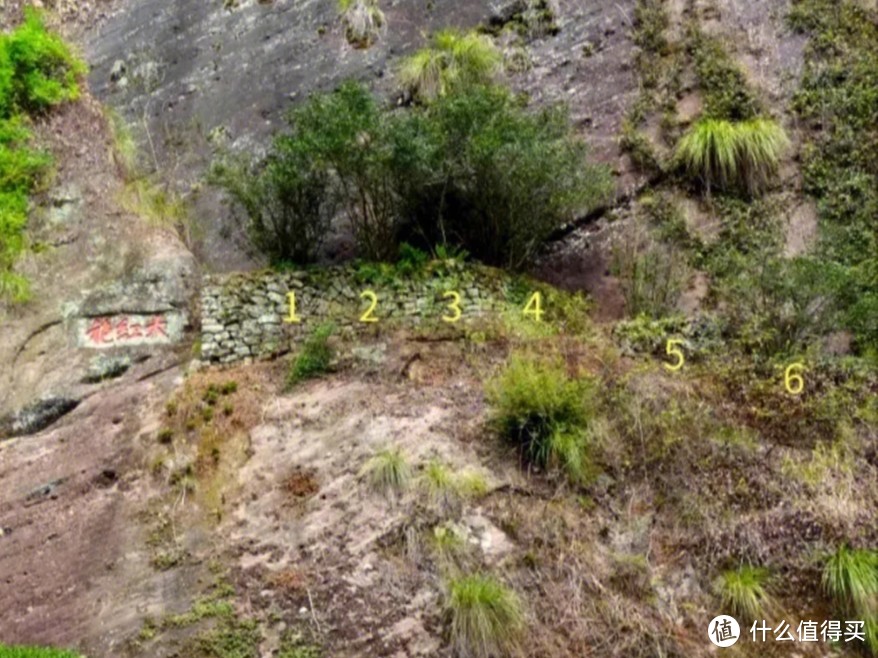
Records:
x=243, y=315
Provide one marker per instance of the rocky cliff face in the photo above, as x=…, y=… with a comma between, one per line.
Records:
x=196, y=75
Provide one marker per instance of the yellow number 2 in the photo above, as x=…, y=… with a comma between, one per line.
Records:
x=367, y=316
x=292, y=318
x=793, y=381
x=535, y=307
x=672, y=350
x=453, y=306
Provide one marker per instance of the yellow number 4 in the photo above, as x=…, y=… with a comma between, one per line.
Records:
x=373, y=299
x=793, y=381
x=534, y=307
x=453, y=306
x=292, y=318
x=671, y=349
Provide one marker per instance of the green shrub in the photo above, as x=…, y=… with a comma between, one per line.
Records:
x=544, y=412
x=40, y=70
x=288, y=201
x=728, y=154
x=721, y=80
x=388, y=472
x=363, y=21
x=453, y=60
x=492, y=177
x=314, y=357
x=743, y=591
x=836, y=104
x=486, y=617
x=37, y=71
x=474, y=171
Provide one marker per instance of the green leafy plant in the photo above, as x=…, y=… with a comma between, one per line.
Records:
x=486, y=617
x=363, y=21
x=314, y=357
x=454, y=59
x=388, y=472
x=744, y=591
x=37, y=69
x=491, y=177
x=539, y=408
x=474, y=171
x=723, y=153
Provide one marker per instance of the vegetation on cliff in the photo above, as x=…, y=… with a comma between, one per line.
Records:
x=37, y=72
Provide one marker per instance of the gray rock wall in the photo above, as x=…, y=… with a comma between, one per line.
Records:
x=246, y=315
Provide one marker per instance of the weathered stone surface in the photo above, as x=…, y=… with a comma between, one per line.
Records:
x=36, y=416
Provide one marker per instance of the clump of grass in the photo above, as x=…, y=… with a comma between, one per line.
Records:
x=363, y=21
x=744, y=154
x=851, y=578
x=446, y=490
x=314, y=357
x=388, y=472
x=452, y=59
x=448, y=543
x=542, y=410
x=744, y=591
x=486, y=618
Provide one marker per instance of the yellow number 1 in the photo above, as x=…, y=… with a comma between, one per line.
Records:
x=672, y=350
x=453, y=306
x=292, y=318
x=535, y=307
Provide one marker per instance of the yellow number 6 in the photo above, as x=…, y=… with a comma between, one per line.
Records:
x=793, y=381
x=453, y=306
x=672, y=350
x=367, y=316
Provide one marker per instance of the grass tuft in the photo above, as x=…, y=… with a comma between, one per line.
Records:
x=453, y=59
x=388, y=472
x=314, y=357
x=486, y=617
x=542, y=410
x=744, y=591
x=727, y=154
x=851, y=577
x=363, y=21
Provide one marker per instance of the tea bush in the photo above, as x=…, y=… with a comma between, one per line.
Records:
x=475, y=170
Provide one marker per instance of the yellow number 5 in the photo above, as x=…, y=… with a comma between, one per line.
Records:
x=453, y=306
x=373, y=298
x=672, y=350
x=793, y=381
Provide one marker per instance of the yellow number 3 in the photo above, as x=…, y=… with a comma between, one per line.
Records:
x=793, y=381
x=453, y=306
x=672, y=350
